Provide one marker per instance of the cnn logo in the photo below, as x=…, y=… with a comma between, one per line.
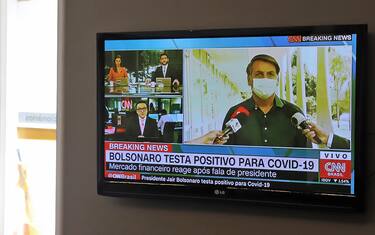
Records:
x=335, y=167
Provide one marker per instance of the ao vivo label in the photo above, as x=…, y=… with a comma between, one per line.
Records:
x=334, y=155
x=335, y=165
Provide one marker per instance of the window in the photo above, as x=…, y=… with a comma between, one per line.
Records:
x=2, y=109
x=28, y=95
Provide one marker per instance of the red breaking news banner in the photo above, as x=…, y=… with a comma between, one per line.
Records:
x=132, y=146
x=137, y=146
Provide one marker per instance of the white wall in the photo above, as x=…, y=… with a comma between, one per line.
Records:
x=2, y=107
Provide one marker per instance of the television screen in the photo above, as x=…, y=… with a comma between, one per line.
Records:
x=265, y=115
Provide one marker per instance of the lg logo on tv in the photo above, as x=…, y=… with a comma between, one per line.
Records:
x=219, y=192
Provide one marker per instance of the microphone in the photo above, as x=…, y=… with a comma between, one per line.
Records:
x=299, y=120
x=235, y=123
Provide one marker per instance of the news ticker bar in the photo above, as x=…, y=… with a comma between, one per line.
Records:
x=330, y=164
x=214, y=160
x=135, y=170
x=197, y=171
x=130, y=161
x=305, y=186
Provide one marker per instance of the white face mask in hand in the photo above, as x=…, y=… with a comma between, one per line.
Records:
x=264, y=87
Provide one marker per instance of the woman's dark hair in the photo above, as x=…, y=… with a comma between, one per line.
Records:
x=114, y=63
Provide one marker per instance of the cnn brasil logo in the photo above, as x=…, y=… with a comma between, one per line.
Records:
x=335, y=165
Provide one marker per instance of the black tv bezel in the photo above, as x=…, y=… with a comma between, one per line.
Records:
x=356, y=202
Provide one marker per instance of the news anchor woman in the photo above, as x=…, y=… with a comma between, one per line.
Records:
x=117, y=73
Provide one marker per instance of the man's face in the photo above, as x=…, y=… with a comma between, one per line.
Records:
x=164, y=60
x=262, y=69
x=141, y=110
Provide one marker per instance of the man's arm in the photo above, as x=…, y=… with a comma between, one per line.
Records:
x=209, y=138
x=154, y=128
x=155, y=74
x=175, y=77
x=130, y=130
x=330, y=140
x=302, y=141
x=161, y=121
x=339, y=142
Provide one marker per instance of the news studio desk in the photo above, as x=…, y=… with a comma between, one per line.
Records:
x=117, y=91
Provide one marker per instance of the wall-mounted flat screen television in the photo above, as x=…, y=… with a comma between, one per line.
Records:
x=268, y=115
